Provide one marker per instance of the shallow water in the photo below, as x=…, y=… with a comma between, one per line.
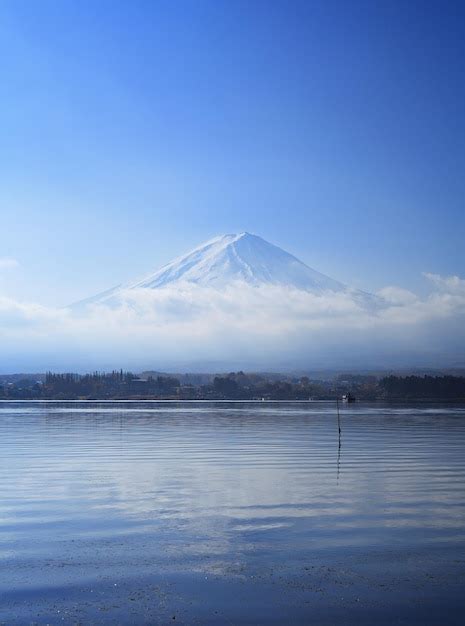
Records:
x=197, y=513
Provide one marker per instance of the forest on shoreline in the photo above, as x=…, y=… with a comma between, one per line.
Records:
x=233, y=386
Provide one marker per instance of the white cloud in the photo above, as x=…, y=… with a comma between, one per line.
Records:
x=8, y=263
x=397, y=296
x=265, y=327
x=451, y=284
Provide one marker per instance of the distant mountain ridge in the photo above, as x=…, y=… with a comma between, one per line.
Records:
x=233, y=258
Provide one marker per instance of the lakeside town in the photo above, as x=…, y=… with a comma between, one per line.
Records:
x=119, y=385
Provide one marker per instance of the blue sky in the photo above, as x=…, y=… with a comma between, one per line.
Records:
x=132, y=131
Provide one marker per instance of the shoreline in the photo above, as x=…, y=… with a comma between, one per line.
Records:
x=243, y=400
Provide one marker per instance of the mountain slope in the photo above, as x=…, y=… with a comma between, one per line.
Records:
x=233, y=258
x=242, y=257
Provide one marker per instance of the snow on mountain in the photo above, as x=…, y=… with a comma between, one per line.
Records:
x=242, y=257
x=227, y=259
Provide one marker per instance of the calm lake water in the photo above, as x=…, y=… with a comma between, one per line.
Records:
x=231, y=513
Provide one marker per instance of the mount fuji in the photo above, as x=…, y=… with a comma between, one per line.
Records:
x=232, y=259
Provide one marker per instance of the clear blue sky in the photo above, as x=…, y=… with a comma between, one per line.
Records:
x=131, y=131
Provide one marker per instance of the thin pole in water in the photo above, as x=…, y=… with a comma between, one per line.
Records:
x=339, y=439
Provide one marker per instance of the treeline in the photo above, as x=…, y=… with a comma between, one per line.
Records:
x=120, y=385
x=102, y=386
x=114, y=385
x=423, y=387
x=240, y=386
x=232, y=386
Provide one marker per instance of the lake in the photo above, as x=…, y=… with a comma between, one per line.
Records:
x=231, y=513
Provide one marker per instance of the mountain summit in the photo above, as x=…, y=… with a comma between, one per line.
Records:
x=243, y=257
x=231, y=259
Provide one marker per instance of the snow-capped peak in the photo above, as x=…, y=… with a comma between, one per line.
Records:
x=234, y=259
x=238, y=257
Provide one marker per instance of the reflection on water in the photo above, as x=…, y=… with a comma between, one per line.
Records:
x=141, y=512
